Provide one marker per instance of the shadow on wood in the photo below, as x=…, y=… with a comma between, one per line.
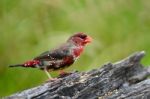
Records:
x=124, y=79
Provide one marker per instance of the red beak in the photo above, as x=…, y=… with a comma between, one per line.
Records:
x=88, y=39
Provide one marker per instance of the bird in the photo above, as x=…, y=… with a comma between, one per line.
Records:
x=61, y=57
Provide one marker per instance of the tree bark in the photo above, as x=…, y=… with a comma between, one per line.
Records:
x=126, y=79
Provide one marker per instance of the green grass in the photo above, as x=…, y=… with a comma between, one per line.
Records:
x=29, y=27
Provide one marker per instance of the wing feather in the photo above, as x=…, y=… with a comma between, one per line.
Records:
x=53, y=55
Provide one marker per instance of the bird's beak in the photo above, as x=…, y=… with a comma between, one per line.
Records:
x=88, y=39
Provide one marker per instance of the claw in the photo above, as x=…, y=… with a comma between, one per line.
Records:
x=51, y=80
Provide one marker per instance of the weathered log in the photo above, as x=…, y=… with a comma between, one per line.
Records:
x=124, y=79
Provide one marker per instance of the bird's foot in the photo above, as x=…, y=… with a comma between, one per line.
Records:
x=52, y=79
x=63, y=74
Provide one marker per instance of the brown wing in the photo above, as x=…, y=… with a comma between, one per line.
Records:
x=53, y=55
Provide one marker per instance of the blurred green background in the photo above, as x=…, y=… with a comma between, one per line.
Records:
x=29, y=27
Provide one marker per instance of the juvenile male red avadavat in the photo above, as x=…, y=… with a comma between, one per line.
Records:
x=61, y=57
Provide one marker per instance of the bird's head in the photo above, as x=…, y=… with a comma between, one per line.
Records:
x=80, y=39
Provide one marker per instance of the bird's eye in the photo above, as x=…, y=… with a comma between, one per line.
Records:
x=83, y=36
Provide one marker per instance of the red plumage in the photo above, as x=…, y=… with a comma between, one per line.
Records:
x=61, y=57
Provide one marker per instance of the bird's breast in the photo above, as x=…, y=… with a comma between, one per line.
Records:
x=77, y=51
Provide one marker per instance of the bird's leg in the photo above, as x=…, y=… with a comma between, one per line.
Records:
x=49, y=76
x=47, y=73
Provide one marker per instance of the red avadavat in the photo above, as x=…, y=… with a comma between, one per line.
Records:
x=61, y=57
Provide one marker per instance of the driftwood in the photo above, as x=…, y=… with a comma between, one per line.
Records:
x=126, y=79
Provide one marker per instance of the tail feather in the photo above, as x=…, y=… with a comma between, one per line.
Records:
x=16, y=65
x=31, y=63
